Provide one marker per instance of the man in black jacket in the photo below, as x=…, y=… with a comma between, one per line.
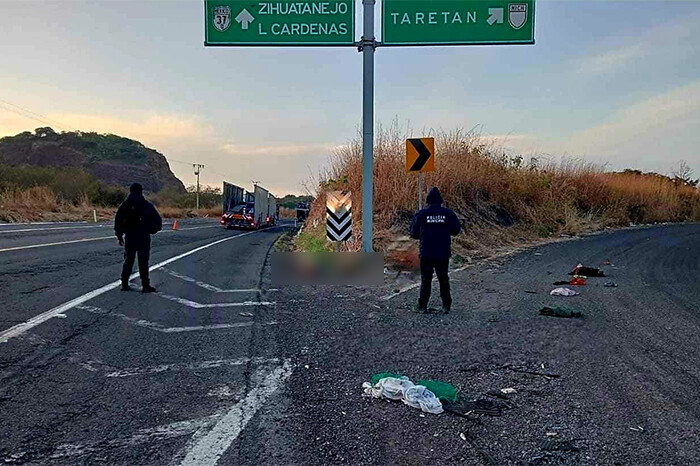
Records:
x=136, y=219
x=434, y=226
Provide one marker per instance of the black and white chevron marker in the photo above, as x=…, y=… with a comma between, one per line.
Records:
x=338, y=215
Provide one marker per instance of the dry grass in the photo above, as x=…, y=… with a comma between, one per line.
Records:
x=41, y=204
x=484, y=185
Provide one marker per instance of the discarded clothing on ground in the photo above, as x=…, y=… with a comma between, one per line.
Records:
x=383, y=375
x=559, y=311
x=577, y=280
x=443, y=390
x=563, y=292
x=418, y=396
x=464, y=407
x=403, y=389
x=610, y=285
x=587, y=271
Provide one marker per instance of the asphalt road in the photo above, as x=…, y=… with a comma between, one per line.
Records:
x=123, y=377
x=218, y=368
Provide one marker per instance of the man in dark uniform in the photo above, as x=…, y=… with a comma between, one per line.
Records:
x=136, y=219
x=434, y=226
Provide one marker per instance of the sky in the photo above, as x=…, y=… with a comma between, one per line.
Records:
x=614, y=83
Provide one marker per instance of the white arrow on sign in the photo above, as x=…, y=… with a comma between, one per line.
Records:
x=245, y=18
x=496, y=16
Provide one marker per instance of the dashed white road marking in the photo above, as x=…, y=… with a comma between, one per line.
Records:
x=206, y=449
x=142, y=436
x=43, y=317
x=161, y=328
x=130, y=372
x=204, y=285
x=416, y=285
x=196, y=305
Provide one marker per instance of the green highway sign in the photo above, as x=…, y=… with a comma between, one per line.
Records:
x=280, y=22
x=458, y=22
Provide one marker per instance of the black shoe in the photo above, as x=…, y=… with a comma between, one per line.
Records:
x=445, y=310
x=422, y=310
x=148, y=289
x=126, y=287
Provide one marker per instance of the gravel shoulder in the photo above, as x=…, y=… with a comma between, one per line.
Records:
x=628, y=380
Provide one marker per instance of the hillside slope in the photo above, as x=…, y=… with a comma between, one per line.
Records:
x=115, y=160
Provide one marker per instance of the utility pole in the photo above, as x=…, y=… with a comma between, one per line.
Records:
x=367, y=46
x=197, y=169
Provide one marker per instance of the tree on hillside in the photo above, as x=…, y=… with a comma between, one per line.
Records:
x=683, y=174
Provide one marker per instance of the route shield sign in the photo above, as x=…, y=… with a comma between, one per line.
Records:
x=280, y=22
x=458, y=22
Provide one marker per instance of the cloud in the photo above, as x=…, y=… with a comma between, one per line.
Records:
x=153, y=130
x=651, y=134
x=658, y=114
x=660, y=41
x=284, y=150
x=608, y=61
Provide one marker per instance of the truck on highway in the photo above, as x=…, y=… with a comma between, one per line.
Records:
x=244, y=209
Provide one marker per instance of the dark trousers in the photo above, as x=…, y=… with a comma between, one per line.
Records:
x=133, y=245
x=426, y=274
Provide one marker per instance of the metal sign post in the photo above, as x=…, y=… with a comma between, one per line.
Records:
x=420, y=157
x=420, y=190
x=297, y=23
x=368, y=45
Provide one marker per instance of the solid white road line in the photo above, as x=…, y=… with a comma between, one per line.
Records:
x=189, y=366
x=43, y=317
x=18, y=248
x=32, y=246
x=195, y=305
x=161, y=328
x=206, y=450
x=50, y=229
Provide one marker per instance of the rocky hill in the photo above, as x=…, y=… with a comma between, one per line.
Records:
x=112, y=159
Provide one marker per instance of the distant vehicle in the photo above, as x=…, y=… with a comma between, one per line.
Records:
x=254, y=210
x=302, y=212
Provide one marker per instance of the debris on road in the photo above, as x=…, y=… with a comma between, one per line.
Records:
x=508, y=390
x=561, y=282
x=587, y=271
x=525, y=371
x=464, y=407
x=610, y=285
x=563, y=292
x=394, y=388
x=530, y=291
x=558, y=445
x=559, y=311
x=577, y=280
x=443, y=390
x=246, y=314
x=418, y=396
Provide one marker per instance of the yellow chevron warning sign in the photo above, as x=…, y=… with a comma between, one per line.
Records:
x=420, y=155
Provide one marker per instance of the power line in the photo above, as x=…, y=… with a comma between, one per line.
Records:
x=33, y=115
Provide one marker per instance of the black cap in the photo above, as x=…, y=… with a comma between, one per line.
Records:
x=135, y=188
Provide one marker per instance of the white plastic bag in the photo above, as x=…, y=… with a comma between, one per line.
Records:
x=420, y=397
x=388, y=387
x=563, y=292
x=416, y=396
